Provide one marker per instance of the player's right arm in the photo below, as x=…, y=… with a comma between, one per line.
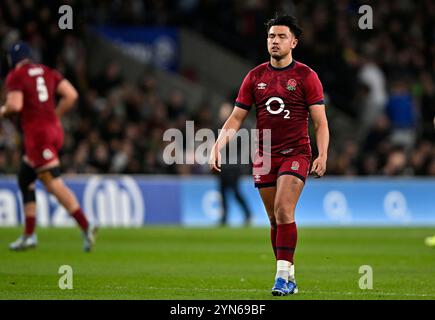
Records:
x=68, y=96
x=229, y=129
x=244, y=101
x=13, y=104
x=14, y=95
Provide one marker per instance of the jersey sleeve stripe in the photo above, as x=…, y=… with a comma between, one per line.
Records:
x=317, y=102
x=243, y=106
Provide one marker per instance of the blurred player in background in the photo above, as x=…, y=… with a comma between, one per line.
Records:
x=230, y=176
x=285, y=92
x=31, y=91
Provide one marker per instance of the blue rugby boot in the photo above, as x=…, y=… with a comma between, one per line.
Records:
x=292, y=287
x=280, y=288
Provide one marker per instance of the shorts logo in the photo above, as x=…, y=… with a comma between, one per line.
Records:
x=261, y=86
x=47, y=154
x=291, y=85
x=295, y=165
x=257, y=178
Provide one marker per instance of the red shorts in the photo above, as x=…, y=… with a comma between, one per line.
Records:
x=296, y=163
x=42, y=146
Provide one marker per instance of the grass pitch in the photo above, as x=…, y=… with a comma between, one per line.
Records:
x=218, y=263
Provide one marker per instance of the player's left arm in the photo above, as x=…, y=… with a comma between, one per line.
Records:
x=68, y=96
x=320, y=123
x=13, y=104
x=315, y=101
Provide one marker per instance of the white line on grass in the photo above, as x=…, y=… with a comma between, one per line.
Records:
x=378, y=293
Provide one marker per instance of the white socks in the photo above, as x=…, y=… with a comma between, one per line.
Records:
x=282, y=269
x=285, y=270
x=291, y=276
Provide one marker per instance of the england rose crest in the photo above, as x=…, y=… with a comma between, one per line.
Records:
x=291, y=84
x=295, y=166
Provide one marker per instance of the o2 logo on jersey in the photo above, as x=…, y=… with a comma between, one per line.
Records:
x=280, y=109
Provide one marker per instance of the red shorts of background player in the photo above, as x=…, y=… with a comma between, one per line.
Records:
x=42, y=145
x=295, y=162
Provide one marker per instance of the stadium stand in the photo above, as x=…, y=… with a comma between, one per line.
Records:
x=382, y=80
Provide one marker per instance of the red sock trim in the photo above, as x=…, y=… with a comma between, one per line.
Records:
x=286, y=240
x=29, y=225
x=80, y=217
x=273, y=233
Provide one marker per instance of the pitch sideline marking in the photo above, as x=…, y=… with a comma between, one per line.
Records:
x=303, y=291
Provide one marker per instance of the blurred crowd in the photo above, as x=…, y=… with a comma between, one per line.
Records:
x=381, y=79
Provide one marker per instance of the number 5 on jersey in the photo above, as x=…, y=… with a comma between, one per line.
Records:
x=41, y=88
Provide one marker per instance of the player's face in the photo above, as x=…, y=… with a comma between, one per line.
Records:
x=280, y=42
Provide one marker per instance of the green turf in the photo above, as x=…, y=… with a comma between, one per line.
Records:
x=218, y=263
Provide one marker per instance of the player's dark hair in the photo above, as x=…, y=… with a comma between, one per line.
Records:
x=285, y=20
x=19, y=51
